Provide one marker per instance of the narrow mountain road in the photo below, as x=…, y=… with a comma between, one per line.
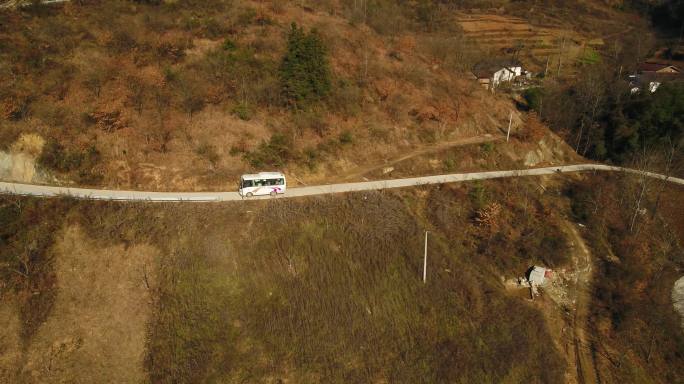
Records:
x=102, y=194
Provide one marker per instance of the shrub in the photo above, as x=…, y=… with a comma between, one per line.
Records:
x=122, y=42
x=304, y=71
x=449, y=164
x=244, y=75
x=533, y=96
x=386, y=18
x=243, y=111
x=487, y=148
x=379, y=133
x=346, y=137
x=209, y=152
x=56, y=157
x=312, y=119
x=345, y=98
x=479, y=197
x=275, y=152
x=427, y=134
x=247, y=16
x=311, y=158
x=95, y=79
x=192, y=94
x=590, y=56
x=229, y=45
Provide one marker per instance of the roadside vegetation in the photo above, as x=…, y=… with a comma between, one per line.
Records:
x=330, y=288
x=144, y=84
x=638, y=335
x=600, y=119
x=325, y=289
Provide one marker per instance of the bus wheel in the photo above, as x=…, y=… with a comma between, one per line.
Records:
x=273, y=193
x=250, y=194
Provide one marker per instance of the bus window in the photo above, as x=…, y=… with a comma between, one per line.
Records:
x=247, y=183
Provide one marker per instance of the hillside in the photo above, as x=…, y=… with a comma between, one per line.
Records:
x=187, y=95
x=329, y=289
x=180, y=96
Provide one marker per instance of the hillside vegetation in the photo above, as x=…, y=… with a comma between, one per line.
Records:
x=322, y=290
x=189, y=94
x=329, y=289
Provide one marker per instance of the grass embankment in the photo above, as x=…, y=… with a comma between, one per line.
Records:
x=330, y=290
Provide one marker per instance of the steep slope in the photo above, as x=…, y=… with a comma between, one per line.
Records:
x=187, y=97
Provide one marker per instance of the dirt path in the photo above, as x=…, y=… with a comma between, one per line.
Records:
x=584, y=359
x=357, y=173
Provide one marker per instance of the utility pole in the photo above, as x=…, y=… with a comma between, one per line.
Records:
x=546, y=69
x=560, y=56
x=510, y=120
x=425, y=260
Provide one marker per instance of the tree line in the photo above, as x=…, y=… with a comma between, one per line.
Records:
x=602, y=119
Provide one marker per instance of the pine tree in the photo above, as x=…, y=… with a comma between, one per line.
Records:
x=304, y=71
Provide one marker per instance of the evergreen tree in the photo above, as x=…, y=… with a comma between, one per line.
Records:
x=304, y=71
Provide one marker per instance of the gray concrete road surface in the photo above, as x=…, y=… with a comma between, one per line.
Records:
x=102, y=194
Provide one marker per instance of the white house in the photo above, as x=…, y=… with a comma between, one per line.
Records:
x=491, y=74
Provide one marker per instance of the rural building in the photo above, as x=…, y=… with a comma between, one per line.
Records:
x=491, y=74
x=651, y=75
x=650, y=67
x=538, y=275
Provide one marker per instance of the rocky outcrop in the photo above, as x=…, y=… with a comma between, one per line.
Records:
x=678, y=297
x=18, y=164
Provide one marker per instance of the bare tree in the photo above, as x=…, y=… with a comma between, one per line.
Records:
x=642, y=163
x=138, y=93
x=669, y=167
x=591, y=92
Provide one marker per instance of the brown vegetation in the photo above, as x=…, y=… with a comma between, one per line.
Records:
x=329, y=289
x=324, y=289
x=637, y=334
x=146, y=84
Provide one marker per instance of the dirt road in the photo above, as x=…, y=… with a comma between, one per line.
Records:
x=102, y=194
x=584, y=359
x=359, y=172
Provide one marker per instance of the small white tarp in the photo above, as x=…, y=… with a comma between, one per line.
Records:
x=537, y=275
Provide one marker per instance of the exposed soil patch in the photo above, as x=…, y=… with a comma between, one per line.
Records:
x=96, y=331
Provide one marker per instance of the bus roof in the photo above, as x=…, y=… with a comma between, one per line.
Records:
x=263, y=175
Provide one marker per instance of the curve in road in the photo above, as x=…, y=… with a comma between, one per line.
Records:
x=101, y=194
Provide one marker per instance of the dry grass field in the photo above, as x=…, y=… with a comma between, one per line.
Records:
x=324, y=289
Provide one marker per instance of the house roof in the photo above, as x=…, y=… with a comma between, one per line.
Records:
x=537, y=275
x=486, y=69
x=661, y=77
x=656, y=67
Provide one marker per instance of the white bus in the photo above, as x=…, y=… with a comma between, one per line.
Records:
x=262, y=183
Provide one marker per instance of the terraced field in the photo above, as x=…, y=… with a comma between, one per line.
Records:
x=534, y=45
